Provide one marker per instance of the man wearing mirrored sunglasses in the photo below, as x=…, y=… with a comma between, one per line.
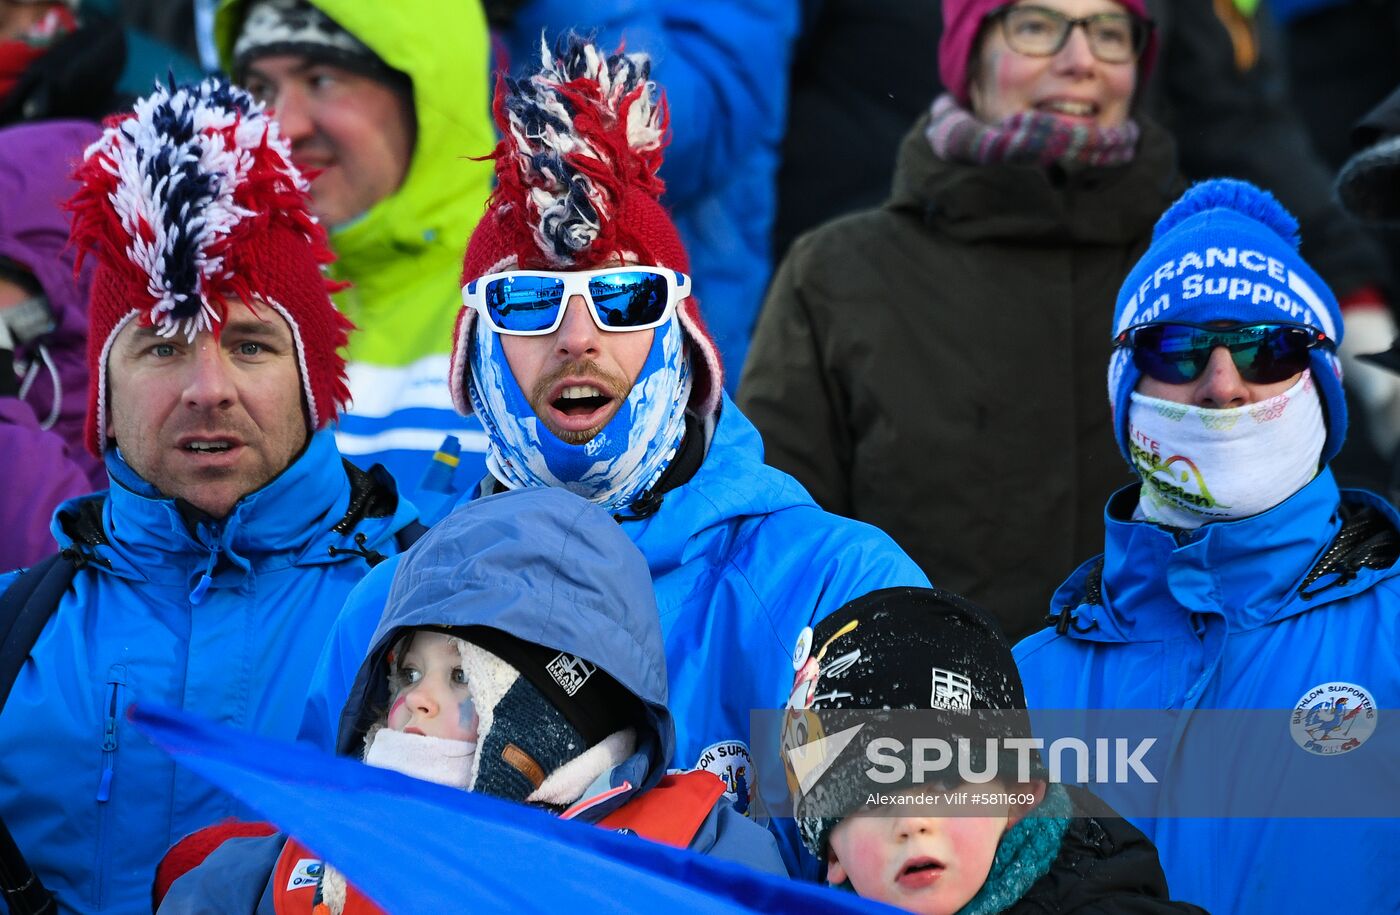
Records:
x=581, y=348
x=1236, y=575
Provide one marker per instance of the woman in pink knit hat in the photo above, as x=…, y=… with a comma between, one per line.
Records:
x=934, y=366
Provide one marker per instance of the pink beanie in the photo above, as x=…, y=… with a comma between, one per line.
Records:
x=962, y=21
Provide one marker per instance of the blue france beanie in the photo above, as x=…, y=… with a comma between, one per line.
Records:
x=1227, y=251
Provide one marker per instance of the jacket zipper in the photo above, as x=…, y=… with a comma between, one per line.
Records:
x=116, y=679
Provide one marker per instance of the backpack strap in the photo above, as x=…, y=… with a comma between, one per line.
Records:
x=373, y=494
x=1367, y=540
x=24, y=609
x=408, y=535
x=23, y=892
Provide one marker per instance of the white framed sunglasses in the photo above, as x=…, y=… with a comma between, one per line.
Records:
x=530, y=303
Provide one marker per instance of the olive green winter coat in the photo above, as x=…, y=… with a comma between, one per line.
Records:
x=937, y=367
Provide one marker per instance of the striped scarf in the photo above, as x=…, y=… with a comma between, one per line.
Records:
x=1028, y=138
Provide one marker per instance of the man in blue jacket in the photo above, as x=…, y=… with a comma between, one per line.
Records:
x=622, y=403
x=209, y=572
x=1237, y=575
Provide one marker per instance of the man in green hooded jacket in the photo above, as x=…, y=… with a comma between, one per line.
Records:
x=387, y=102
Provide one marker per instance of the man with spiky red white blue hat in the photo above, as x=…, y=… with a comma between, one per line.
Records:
x=582, y=349
x=1235, y=574
x=208, y=573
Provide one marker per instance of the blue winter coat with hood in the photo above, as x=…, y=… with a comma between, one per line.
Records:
x=546, y=567
x=742, y=560
x=1248, y=614
x=220, y=618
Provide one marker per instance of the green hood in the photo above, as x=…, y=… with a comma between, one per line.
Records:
x=404, y=256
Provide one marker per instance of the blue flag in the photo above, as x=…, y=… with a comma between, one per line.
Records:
x=413, y=846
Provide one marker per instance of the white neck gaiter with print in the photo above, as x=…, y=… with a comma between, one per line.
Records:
x=1200, y=465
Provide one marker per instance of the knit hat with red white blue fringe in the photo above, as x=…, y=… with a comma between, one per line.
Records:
x=192, y=201
x=577, y=188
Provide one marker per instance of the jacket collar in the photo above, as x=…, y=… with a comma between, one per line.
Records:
x=731, y=483
x=1106, y=205
x=288, y=520
x=1246, y=572
x=617, y=786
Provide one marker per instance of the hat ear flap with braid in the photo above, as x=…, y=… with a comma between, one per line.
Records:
x=577, y=187
x=522, y=738
x=188, y=203
x=547, y=722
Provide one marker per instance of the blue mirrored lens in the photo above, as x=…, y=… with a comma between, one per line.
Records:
x=633, y=298
x=1262, y=353
x=1171, y=353
x=524, y=303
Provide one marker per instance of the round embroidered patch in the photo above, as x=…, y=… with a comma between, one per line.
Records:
x=1333, y=718
x=730, y=760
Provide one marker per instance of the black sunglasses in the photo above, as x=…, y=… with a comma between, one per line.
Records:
x=1262, y=353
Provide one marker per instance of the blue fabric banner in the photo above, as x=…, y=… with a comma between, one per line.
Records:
x=412, y=846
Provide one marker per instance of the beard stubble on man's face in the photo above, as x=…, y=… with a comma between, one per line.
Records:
x=613, y=386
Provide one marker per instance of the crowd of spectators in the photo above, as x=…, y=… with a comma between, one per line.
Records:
x=311, y=364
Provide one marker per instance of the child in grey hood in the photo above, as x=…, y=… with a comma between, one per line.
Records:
x=520, y=656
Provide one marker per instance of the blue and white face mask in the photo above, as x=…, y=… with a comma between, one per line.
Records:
x=617, y=465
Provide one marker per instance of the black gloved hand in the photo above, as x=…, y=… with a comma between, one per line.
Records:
x=9, y=381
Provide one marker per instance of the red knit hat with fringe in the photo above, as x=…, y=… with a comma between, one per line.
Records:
x=189, y=202
x=577, y=188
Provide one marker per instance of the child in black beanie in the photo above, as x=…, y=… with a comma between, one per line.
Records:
x=927, y=848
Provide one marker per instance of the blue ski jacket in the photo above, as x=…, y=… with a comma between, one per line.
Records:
x=225, y=618
x=1249, y=614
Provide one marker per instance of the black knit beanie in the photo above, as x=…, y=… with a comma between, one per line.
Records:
x=592, y=702
x=298, y=27
x=893, y=649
